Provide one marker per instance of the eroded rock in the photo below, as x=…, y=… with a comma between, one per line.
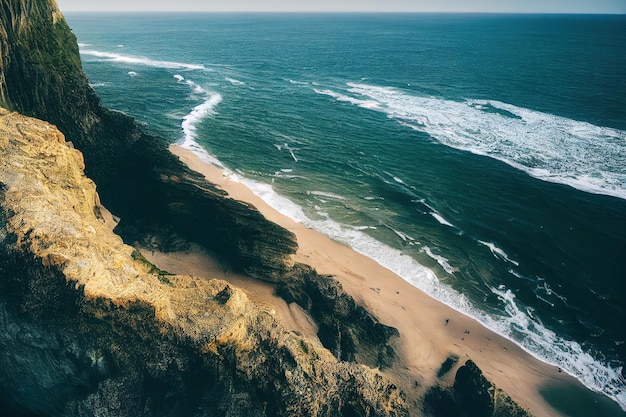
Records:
x=86, y=328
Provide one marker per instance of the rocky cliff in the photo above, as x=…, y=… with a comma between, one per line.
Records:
x=158, y=198
x=87, y=327
x=138, y=179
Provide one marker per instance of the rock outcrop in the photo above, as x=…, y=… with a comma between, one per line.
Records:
x=87, y=329
x=471, y=395
x=347, y=329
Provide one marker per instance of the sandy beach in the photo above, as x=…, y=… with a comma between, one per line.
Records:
x=429, y=330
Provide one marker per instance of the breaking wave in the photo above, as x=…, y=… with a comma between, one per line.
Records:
x=548, y=147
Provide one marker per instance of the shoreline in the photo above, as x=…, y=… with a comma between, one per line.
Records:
x=429, y=330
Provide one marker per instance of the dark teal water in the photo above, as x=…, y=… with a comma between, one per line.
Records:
x=481, y=157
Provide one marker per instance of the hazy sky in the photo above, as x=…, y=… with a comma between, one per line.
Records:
x=512, y=6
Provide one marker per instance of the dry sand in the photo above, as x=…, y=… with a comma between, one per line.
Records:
x=429, y=330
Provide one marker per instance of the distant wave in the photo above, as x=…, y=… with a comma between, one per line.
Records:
x=294, y=82
x=137, y=60
x=443, y=262
x=548, y=147
x=498, y=253
x=234, y=81
x=368, y=104
x=441, y=220
x=326, y=195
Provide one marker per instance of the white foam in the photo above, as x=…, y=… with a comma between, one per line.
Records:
x=198, y=113
x=443, y=262
x=498, y=253
x=548, y=147
x=137, y=60
x=179, y=78
x=132, y=73
x=196, y=88
x=294, y=82
x=288, y=149
x=402, y=235
x=441, y=220
x=234, y=81
x=366, y=104
x=396, y=179
x=364, y=227
x=326, y=194
x=194, y=117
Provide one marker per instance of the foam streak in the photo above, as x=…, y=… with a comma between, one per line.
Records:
x=137, y=60
x=548, y=147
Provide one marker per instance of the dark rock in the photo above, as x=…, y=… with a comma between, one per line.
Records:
x=440, y=402
x=470, y=396
x=224, y=295
x=473, y=391
x=347, y=329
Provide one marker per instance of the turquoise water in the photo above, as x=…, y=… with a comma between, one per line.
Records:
x=481, y=157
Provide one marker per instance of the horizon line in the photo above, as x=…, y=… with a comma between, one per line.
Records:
x=348, y=12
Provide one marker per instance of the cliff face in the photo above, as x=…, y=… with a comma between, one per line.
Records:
x=87, y=329
x=138, y=179
x=158, y=199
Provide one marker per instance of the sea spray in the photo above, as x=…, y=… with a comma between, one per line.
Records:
x=190, y=122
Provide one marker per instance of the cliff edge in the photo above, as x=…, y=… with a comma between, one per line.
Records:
x=88, y=327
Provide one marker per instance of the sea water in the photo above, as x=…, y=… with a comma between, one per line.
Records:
x=480, y=157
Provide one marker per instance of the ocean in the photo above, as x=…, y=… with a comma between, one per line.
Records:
x=480, y=157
